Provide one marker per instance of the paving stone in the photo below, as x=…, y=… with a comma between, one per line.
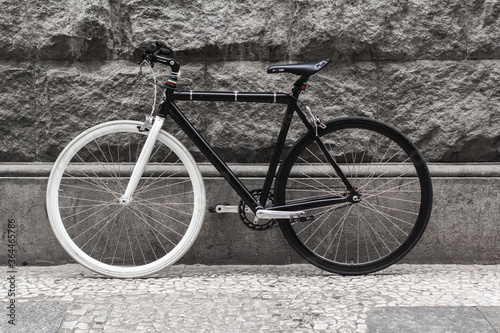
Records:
x=36, y=316
x=428, y=319
x=492, y=315
x=298, y=298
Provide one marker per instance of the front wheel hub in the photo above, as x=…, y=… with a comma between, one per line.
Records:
x=125, y=201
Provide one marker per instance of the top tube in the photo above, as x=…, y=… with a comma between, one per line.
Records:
x=233, y=96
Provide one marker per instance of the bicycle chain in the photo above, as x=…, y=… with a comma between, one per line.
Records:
x=258, y=225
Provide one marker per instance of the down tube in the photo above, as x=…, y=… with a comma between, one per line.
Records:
x=176, y=114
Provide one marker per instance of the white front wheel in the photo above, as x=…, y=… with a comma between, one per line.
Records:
x=150, y=231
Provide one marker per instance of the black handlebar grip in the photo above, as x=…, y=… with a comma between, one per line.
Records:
x=152, y=47
x=164, y=51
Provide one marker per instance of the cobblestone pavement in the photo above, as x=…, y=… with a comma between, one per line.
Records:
x=295, y=298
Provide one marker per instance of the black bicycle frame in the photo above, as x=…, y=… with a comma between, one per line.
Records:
x=255, y=97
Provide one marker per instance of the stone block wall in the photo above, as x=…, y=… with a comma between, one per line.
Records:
x=430, y=68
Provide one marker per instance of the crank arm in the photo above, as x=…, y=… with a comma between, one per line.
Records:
x=222, y=209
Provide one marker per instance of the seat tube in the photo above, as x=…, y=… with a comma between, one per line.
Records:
x=273, y=165
x=142, y=161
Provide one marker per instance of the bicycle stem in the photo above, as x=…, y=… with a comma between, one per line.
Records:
x=142, y=161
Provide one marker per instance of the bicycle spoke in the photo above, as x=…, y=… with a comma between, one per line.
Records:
x=155, y=236
x=101, y=233
x=88, y=207
x=95, y=183
x=141, y=192
x=87, y=217
x=145, y=220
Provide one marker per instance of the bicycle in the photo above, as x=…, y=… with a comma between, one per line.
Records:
x=126, y=199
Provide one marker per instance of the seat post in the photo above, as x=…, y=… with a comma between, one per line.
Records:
x=300, y=85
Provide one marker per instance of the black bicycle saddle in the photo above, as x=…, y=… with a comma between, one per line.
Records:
x=306, y=69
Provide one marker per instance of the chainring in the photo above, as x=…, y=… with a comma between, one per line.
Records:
x=248, y=218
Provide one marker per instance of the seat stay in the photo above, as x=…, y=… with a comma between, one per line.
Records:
x=325, y=151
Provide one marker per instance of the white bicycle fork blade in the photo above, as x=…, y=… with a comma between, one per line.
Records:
x=143, y=160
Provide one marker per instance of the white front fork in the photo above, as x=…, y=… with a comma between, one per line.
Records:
x=142, y=161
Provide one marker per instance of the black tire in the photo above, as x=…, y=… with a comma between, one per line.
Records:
x=389, y=173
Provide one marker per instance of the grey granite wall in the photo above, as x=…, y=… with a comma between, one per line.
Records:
x=431, y=68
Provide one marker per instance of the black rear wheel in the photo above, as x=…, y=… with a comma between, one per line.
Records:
x=394, y=186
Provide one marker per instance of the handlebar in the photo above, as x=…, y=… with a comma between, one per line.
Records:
x=153, y=51
x=156, y=52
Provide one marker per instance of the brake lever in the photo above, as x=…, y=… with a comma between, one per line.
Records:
x=141, y=59
x=146, y=58
x=152, y=49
